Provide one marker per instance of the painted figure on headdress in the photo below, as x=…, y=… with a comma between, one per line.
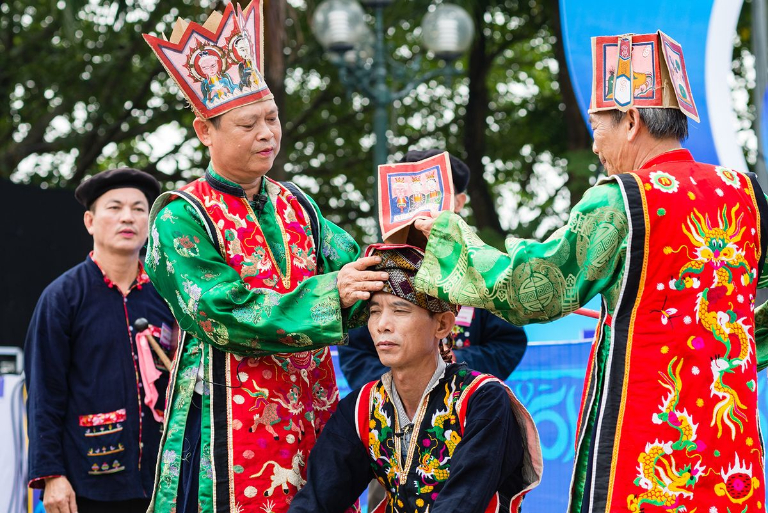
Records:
x=433, y=188
x=417, y=192
x=401, y=193
x=240, y=52
x=207, y=64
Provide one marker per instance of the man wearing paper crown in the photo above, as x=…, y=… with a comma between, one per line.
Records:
x=676, y=248
x=437, y=435
x=259, y=281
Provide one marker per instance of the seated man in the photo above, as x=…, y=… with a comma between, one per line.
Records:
x=482, y=340
x=439, y=437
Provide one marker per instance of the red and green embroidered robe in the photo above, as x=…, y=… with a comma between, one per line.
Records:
x=258, y=319
x=669, y=418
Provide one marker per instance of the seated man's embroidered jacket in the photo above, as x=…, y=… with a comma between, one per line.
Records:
x=472, y=448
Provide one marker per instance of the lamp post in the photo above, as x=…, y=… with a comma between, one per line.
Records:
x=361, y=55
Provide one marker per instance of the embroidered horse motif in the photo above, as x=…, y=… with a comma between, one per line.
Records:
x=268, y=418
x=282, y=476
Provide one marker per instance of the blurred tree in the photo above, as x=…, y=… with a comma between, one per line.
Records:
x=85, y=93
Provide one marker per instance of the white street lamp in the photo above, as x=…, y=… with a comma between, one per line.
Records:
x=338, y=24
x=447, y=31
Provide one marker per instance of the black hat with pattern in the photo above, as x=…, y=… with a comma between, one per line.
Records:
x=402, y=262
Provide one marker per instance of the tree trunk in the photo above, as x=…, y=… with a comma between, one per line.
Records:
x=483, y=205
x=274, y=71
x=578, y=137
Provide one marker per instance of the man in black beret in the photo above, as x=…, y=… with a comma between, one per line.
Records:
x=121, y=178
x=96, y=389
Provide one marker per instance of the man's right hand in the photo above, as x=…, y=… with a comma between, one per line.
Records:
x=59, y=497
x=356, y=283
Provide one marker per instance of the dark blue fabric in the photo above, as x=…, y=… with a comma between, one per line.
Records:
x=489, y=344
x=80, y=360
x=189, y=482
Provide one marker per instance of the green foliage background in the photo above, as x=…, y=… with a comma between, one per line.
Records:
x=85, y=93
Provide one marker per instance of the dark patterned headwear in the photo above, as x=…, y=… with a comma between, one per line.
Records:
x=402, y=262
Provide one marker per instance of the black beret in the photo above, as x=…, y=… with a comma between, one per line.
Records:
x=459, y=170
x=90, y=190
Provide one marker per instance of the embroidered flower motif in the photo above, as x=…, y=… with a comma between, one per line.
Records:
x=695, y=370
x=168, y=216
x=729, y=176
x=740, y=298
x=153, y=255
x=738, y=483
x=659, y=286
x=687, y=319
x=699, y=402
x=664, y=182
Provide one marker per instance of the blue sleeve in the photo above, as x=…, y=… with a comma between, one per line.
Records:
x=489, y=453
x=496, y=345
x=338, y=469
x=359, y=361
x=46, y=363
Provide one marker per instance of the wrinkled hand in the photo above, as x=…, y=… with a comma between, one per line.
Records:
x=356, y=283
x=424, y=225
x=59, y=497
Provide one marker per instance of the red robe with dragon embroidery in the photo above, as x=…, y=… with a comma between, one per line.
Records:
x=675, y=394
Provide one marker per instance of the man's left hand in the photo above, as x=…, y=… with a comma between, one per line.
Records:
x=356, y=283
x=424, y=225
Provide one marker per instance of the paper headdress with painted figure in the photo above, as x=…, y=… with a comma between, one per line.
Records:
x=217, y=65
x=640, y=70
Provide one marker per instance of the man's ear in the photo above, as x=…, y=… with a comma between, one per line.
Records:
x=632, y=118
x=203, y=130
x=88, y=221
x=445, y=322
x=460, y=199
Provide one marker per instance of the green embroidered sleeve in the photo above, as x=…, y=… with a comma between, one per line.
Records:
x=338, y=248
x=211, y=302
x=533, y=281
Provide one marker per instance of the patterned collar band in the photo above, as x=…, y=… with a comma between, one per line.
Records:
x=640, y=70
x=402, y=262
x=217, y=65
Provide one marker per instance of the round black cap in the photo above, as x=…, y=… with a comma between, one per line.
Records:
x=459, y=170
x=90, y=190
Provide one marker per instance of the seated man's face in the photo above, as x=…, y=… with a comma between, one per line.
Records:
x=405, y=335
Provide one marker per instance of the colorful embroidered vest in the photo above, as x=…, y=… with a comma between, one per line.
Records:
x=677, y=425
x=413, y=480
x=269, y=410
